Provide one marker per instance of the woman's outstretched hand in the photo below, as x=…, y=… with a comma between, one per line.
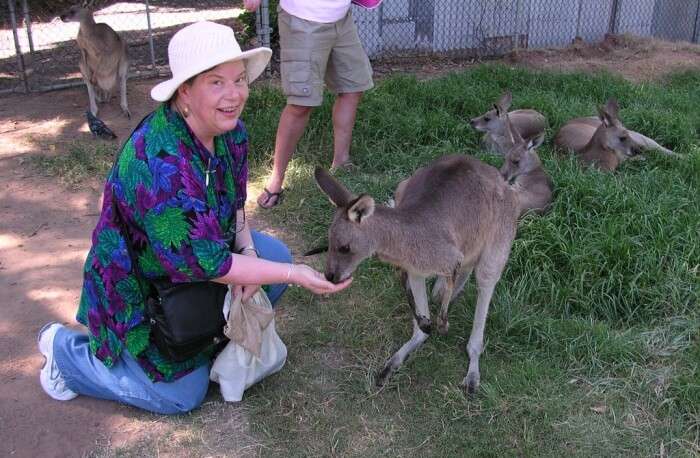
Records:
x=314, y=281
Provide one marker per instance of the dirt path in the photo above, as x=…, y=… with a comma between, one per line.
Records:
x=45, y=228
x=44, y=236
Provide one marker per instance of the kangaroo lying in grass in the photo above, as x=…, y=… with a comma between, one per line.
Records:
x=452, y=217
x=497, y=138
x=604, y=141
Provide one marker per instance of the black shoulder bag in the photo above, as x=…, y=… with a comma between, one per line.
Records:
x=185, y=318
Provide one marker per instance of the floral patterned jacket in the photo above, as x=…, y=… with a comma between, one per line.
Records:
x=179, y=201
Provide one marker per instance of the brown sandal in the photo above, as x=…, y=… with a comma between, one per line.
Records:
x=265, y=200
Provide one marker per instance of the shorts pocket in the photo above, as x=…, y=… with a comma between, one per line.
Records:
x=296, y=73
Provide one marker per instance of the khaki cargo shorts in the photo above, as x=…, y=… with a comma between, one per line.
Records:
x=314, y=52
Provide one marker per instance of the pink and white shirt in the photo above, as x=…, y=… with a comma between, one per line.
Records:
x=325, y=11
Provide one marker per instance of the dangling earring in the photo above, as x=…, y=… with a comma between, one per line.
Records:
x=186, y=111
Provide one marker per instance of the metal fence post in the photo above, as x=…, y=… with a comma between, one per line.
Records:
x=28, y=26
x=262, y=26
x=695, y=36
x=612, y=25
x=150, y=40
x=18, y=48
x=578, y=19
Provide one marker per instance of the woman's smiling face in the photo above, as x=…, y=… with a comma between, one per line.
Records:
x=215, y=99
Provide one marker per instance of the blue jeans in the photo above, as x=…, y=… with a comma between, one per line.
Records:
x=125, y=381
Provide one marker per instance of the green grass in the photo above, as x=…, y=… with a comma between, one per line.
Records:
x=80, y=163
x=592, y=345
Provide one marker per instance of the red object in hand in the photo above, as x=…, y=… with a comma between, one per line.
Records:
x=369, y=4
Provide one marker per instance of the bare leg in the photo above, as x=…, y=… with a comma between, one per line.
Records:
x=292, y=123
x=421, y=328
x=344, y=111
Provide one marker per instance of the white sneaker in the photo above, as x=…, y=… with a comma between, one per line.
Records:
x=50, y=377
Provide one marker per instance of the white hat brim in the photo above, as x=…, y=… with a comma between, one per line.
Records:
x=255, y=62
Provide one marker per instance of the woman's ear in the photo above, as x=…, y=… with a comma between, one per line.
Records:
x=183, y=93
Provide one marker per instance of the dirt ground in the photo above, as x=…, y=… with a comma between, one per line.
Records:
x=45, y=233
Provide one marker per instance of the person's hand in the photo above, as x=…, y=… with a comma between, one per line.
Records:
x=251, y=5
x=246, y=291
x=314, y=281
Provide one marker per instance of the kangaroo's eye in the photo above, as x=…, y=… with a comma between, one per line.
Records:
x=623, y=139
x=344, y=249
x=516, y=162
x=487, y=119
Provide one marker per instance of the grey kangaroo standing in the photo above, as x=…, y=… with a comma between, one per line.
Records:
x=497, y=139
x=604, y=142
x=103, y=58
x=452, y=217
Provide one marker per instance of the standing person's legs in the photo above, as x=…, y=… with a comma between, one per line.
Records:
x=272, y=249
x=125, y=381
x=291, y=127
x=344, y=110
x=349, y=74
x=304, y=49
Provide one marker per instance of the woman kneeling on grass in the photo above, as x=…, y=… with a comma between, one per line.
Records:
x=180, y=187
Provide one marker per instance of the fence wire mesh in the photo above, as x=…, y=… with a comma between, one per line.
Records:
x=38, y=51
x=49, y=53
x=493, y=27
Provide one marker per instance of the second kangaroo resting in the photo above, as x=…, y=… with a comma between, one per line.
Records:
x=604, y=141
x=453, y=216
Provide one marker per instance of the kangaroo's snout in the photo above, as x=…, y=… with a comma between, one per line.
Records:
x=330, y=277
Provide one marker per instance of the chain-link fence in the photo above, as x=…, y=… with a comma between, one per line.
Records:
x=38, y=50
x=493, y=27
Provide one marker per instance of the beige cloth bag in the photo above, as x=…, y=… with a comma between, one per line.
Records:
x=255, y=350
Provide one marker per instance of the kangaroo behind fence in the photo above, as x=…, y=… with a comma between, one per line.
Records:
x=497, y=138
x=452, y=217
x=104, y=60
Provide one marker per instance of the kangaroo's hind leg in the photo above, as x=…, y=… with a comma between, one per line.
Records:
x=418, y=298
x=488, y=272
x=87, y=77
x=123, y=75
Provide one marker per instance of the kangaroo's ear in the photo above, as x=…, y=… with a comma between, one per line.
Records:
x=609, y=113
x=535, y=142
x=361, y=208
x=612, y=108
x=513, y=131
x=604, y=118
x=503, y=103
x=336, y=192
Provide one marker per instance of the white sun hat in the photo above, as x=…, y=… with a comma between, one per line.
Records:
x=201, y=46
